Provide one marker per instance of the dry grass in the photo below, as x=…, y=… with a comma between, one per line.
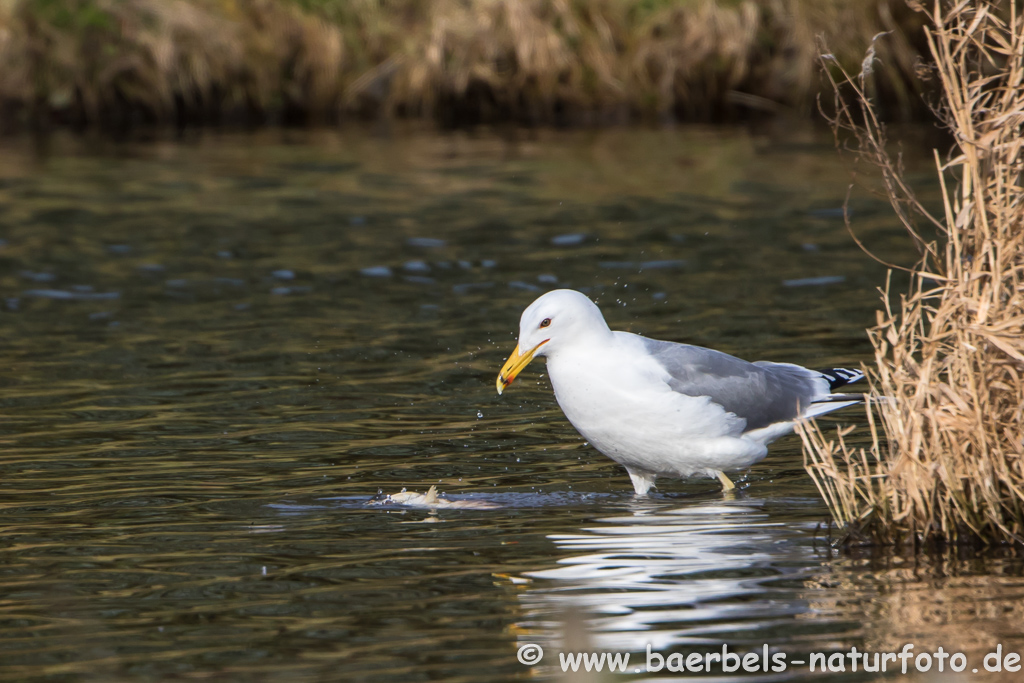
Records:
x=946, y=461
x=102, y=61
x=457, y=61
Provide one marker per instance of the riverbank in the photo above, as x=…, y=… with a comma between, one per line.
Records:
x=115, y=64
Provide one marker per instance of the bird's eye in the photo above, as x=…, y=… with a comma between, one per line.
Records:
x=545, y=322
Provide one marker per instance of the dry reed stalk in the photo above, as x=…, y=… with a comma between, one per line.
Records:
x=947, y=455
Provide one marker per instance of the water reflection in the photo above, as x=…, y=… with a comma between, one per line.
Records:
x=671, y=575
x=957, y=599
x=694, y=576
x=214, y=352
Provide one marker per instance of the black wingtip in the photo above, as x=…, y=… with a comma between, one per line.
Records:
x=840, y=377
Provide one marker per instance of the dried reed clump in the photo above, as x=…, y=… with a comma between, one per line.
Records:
x=458, y=61
x=505, y=55
x=946, y=461
x=108, y=61
x=574, y=61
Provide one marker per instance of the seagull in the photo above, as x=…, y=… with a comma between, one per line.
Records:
x=663, y=409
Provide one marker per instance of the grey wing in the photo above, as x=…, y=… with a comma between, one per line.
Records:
x=762, y=393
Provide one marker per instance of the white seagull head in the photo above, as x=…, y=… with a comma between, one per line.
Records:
x=552, y=322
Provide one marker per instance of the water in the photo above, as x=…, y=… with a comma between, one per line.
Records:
x=215, y=351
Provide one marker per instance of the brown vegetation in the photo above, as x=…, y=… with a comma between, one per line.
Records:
x=113, y=62
x=946, y=461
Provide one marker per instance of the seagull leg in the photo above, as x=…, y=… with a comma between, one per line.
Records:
x=642, y=482
x=727, y=484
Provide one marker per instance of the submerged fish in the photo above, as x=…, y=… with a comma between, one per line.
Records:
x=430, y=499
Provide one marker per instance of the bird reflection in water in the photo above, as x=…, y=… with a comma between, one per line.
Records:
x=670, y=576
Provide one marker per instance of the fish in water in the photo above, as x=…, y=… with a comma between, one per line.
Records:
x=431, y=499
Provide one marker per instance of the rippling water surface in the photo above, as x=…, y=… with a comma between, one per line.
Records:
x=214, y=352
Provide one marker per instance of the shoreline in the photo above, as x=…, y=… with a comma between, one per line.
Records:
x=118, y=65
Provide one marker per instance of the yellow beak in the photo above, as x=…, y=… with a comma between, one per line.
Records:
x=514, y=365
